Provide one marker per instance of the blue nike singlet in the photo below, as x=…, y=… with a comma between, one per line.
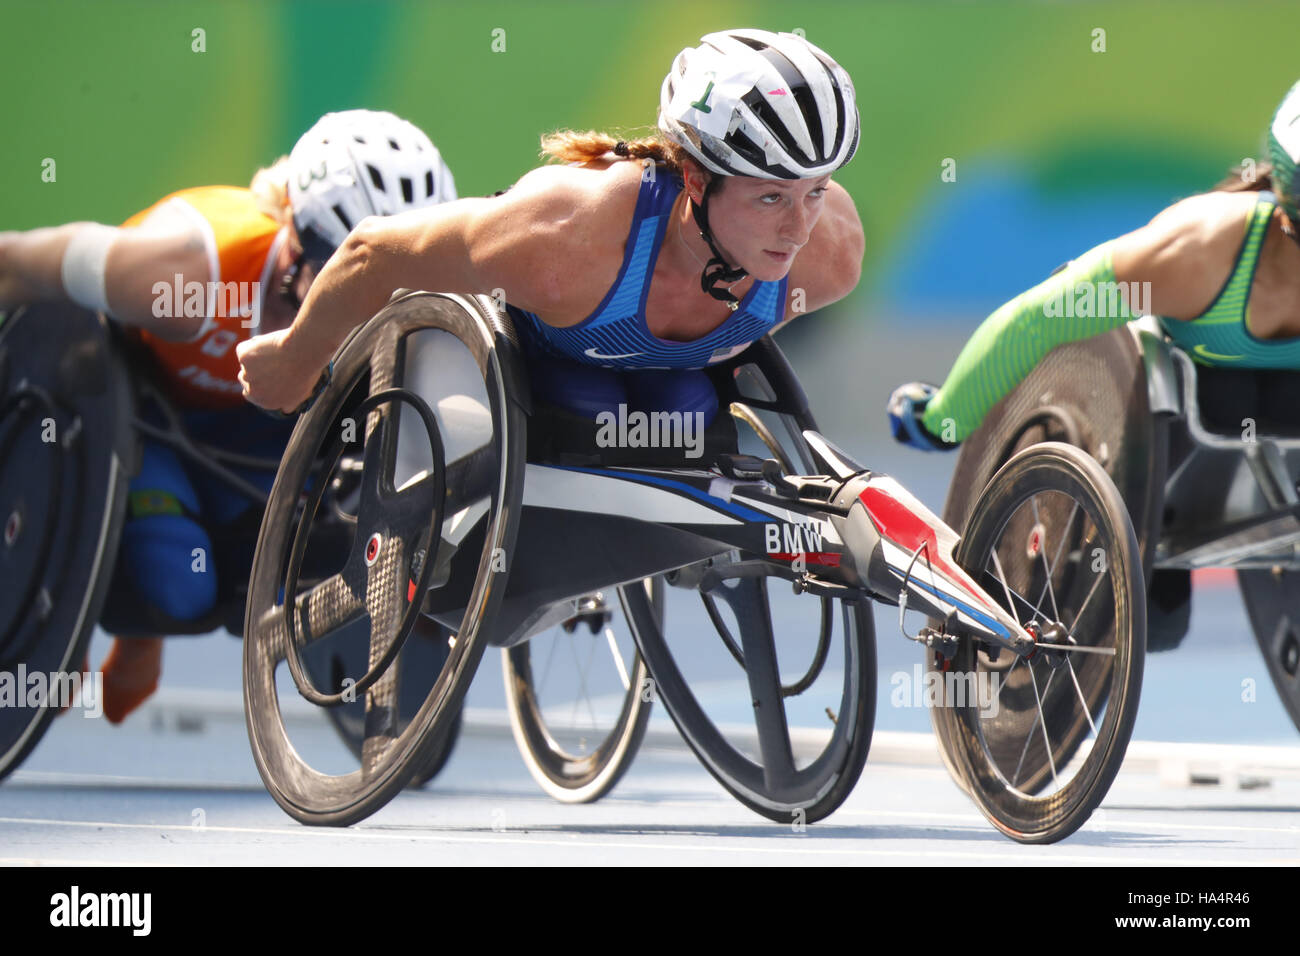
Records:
x=616, y=334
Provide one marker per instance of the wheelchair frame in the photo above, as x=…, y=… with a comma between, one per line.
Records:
x=1253, y=523
x=840, y=533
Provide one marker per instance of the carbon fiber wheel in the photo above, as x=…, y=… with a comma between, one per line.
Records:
x=1039, y=739
x=421, y=395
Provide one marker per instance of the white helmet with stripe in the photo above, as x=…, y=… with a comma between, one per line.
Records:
x=360, y=163
x=755, y=103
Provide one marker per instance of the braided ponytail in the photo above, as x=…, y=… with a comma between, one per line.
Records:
x=569, y=146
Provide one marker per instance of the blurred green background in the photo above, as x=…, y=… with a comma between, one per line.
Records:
x=1057, y=145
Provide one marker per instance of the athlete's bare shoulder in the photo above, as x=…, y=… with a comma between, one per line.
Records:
x=559, y=233
x=1186, y=252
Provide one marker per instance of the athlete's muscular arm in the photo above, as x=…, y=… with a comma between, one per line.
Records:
x=1186, y=252
x=828, y=268
x=31, y=269
x=523, y=242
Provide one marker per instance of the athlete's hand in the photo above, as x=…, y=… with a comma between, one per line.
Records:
x=906, y=406
x=273, y=377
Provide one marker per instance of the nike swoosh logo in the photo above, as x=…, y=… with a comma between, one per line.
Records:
x=592, y=353
x=1203, y=352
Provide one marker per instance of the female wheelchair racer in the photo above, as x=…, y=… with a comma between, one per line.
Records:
x=753, y=124
x=1192, y=409
x=185, y=280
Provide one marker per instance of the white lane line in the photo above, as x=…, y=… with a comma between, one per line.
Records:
x=1005, y=854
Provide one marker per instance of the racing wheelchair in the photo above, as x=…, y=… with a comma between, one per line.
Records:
x=1207, y=461
x=77, y=397
x=480, y=508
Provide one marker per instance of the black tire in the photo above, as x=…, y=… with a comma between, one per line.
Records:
x=561, y=757
x=1050, y=500
x=808, y=793
x=468, y=409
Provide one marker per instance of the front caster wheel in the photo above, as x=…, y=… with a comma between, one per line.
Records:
x=1039, y=739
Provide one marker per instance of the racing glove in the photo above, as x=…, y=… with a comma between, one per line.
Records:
x=906, y=408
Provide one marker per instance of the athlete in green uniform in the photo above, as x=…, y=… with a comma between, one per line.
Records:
x=1221, y=270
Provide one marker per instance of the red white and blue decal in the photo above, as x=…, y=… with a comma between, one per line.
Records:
x=906, y=526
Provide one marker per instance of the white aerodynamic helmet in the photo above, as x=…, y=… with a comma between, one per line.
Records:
x=755, y=103
x=1284, y=151
x=360, y=163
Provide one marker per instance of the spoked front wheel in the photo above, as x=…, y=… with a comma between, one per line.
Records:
x=578, y=697
x=1039, y=739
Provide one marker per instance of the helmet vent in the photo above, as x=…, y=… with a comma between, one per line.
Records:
x=408, y=189
x=428, y=183
x=359, y=138
x=393, y=143
x=376, y=179
x=343, y=218
x=773, y=125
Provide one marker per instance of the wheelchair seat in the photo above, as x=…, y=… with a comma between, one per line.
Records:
x=1229, y=397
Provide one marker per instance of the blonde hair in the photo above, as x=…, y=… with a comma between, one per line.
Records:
x=570, y=146
x=271, y=187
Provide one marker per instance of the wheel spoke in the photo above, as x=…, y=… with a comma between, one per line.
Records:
x=618, y=658
x=1047, y=740
x=378, y=460
x=1078, y=649
x=1029, y=738
x=540, y=688
x=414, y=504
x=586, y=673
x=1082, y=700
x=381, y=717
x=321, y=610
x=582, y=692
x=1065, y=535
x=1079, y=613
x=1007, y=679
x=754, y=617
x=1042, y=555
x=1017, y=596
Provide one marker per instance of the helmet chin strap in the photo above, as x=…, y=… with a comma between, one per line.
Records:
x=716, y=270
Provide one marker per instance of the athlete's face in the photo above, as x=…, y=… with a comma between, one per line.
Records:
x=761, y=224
x=290, y=282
